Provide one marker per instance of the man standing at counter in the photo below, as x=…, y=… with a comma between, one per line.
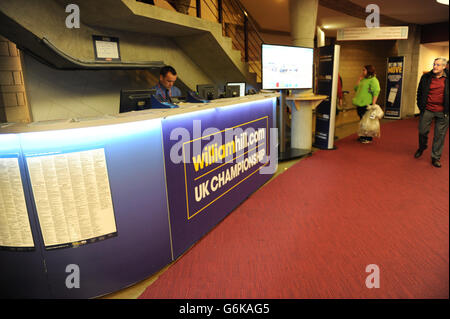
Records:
x=165, y=87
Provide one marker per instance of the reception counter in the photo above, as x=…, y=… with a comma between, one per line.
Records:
x=90, y=206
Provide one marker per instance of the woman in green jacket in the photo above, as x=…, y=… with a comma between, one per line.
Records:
x=367, y=89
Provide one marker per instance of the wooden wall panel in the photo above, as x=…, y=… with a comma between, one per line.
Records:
x=13, y=102
x=356, y=54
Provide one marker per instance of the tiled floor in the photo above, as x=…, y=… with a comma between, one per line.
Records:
x=346, y=124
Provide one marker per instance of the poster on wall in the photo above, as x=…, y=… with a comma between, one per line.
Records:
x=15, y=231
x=394, y=79
x=73, y=198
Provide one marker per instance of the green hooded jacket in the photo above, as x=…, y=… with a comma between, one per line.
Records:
x=366, y=90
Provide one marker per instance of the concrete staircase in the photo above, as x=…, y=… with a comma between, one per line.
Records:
x=208, y=48
x=149, y=36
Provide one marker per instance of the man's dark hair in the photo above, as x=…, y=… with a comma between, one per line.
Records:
x=166, y=69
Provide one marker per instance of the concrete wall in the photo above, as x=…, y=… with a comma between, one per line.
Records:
x=61, y=94
x=49, y=21
x=427, y=53
x=272, y=38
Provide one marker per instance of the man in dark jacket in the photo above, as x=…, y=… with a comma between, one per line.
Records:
x=432, y=100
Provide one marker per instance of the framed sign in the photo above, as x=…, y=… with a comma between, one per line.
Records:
x=106, y=48
x=380, y=33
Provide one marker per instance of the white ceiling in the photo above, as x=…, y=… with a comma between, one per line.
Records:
x=274, y=14
x=330, y=21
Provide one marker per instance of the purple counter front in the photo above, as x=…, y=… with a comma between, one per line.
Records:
x=214, y=161
x=102, y=207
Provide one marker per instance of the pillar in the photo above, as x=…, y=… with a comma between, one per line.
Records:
x=320, y=38
x=303, y=15
x=410, y=49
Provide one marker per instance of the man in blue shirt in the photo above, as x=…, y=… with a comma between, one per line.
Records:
x=165, y=88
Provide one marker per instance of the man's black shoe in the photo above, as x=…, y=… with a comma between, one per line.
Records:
x=418, y=153
x=435, y=162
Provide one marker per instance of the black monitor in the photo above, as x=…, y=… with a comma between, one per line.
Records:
x=135, y=100
x=242, y=87
x=232, y=91
x=207, y=91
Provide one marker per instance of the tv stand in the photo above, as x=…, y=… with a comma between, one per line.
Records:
x=301, y=123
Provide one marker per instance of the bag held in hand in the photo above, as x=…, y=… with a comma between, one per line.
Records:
x=370, y=122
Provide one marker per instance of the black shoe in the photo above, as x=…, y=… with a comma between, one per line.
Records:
x=436, y=162
x=418, y=153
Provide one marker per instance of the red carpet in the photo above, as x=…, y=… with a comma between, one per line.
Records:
x=311, y=232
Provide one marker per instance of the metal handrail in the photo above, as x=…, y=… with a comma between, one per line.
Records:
x=252, y=40
x=232, y=12
x=213, y=5
x=250, y=18
x=228, y=10
x=204, y=1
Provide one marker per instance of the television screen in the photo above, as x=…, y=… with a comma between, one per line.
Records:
x=286, y=67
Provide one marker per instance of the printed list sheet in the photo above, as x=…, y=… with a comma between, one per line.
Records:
x=72, y=195
x=15, y=228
